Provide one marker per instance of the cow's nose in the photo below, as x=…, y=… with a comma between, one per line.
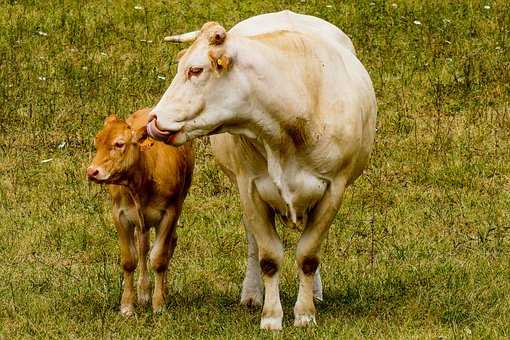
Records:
x=92, y=172
x=152, y=116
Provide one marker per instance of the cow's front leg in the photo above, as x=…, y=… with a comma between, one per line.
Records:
x=162, y=251
x=259, y=219
x=307, y=254
x=251, y=295
x=126, y=236
x=143, y=288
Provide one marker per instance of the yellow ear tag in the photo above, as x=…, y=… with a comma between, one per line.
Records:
x=219, y=62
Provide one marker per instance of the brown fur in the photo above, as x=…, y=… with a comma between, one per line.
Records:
x=148, y=183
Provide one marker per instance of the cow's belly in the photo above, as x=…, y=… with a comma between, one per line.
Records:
x=294, y=197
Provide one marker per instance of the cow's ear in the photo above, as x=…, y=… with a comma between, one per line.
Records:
x=220, y=61
x=110, y=119
x=139, y=135
x=179, y=54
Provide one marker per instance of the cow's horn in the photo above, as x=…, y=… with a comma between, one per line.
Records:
x=185, y=37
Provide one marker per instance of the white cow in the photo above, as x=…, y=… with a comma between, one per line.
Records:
x=300, y=112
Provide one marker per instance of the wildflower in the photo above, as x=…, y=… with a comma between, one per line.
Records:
x=417, y=22
x=42, y=34
x=138, y=7
x=329, y=6
x=160, y=77
x=41, y=78
x=487, y=7
x=62, y=145
x=394, y=5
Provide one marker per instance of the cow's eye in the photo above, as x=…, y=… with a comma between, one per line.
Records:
x=194, y=71
x=119, y=145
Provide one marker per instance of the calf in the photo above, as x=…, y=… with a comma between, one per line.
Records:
x=148, y=182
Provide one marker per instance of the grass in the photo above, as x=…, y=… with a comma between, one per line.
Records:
x=419, y=249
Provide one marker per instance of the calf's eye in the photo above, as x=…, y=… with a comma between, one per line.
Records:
x=194, y=71
x=119, y=145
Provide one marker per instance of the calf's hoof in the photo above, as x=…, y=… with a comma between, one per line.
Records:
x=127, y=310
x=271, y=323
x=304, y=320
x=144, y=296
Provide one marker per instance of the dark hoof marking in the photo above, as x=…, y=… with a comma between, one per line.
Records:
x=309, y=265
x=268, y=267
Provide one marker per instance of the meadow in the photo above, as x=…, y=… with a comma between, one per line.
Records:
x=419, y=249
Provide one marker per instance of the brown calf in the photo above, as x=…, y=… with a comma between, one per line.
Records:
x=148, y=182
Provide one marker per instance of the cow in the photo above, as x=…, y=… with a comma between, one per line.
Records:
x=291, y=113
x=147, y=182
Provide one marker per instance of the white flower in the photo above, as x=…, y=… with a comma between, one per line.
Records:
x=372, y=4
x=329, y=6
x=417, y=22
x=487, y=7
x=104, y=54
x=62, y=145
x=394, y=5
x=160, y=77
x=42, y=34
x=85, y=68
x=138, y=7
x=41, y=78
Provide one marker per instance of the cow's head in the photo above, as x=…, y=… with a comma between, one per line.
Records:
x=117, y=150
x=205, y=94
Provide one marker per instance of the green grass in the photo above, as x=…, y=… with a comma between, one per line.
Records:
x=419, y=249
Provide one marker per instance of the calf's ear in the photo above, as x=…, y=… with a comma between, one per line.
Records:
x=139, y=135
x=110, y=119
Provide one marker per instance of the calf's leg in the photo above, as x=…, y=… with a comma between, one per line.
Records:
x=125, y=232
x=162, y=251
x=307, y=254
x=143, y=288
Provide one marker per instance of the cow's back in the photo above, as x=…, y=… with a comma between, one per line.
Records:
x=290, y=21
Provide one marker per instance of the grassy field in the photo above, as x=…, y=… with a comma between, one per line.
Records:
x=419, y=249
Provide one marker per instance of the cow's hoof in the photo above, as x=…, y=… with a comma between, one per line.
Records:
x=317, y=295
x=251, y=299
x=304, y=321
x=127, y=310
x=271, y=323
x=158, y=309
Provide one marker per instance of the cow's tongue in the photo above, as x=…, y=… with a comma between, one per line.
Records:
x=155, y=132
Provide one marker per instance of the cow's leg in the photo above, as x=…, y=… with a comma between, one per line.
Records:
x=162, y=251
x=251, y=294
x=143, y=288
x=126, y=235
x=259, y=219
x=317, y=285
x=307, y=254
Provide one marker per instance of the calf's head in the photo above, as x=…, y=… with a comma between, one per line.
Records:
x=206, y=93
x=117, y=151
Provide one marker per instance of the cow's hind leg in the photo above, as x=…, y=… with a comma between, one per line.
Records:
x=162, y=251
x=125, y=232
x=307, y=254
x=143, y=288
x=259, y=219
x=251, y=295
